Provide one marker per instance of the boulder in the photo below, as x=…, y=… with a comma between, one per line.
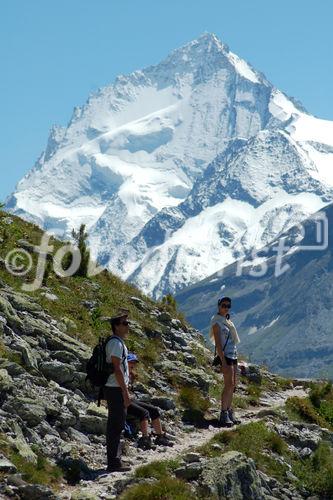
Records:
x=231, y=475
x=36, y=492
x=21, y=444
x=6, y=381
x=300, y=435
x=93, y=424
x=192, y=457
x=189, y=472
x=50, y=296
x=22, y=302
x=6, y=465
x=55, y=370
x=78, y=436
x=30, y=410
x=164, y=403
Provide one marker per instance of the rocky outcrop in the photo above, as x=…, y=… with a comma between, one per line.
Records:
x=45, y=403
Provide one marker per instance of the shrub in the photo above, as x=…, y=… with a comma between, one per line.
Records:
x=316, y=472
x=194, y=403
x=304, y=409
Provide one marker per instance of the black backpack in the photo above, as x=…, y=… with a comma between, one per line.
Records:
x=97, y=369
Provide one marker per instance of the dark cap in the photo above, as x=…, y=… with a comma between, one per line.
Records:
x=121, y=313
x=222, y=299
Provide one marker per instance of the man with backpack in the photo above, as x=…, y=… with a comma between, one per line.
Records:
x=116, y=389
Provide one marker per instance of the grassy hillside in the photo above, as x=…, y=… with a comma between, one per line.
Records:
x=105, y=291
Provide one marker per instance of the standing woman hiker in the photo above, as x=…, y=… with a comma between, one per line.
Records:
x=224, y=334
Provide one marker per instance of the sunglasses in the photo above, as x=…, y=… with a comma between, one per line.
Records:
x=124, y=323
x=224, y=304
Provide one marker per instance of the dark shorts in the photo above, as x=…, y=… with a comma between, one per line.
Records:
x=230, y=361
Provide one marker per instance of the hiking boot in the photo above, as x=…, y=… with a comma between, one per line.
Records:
x=225, y=419
x=117, y=466
x=163, y=440
x=144, y=443
x=233, y=417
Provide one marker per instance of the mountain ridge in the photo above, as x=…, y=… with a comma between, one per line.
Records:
x=131, y=156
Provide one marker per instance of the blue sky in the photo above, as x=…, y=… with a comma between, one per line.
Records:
x=54, y=53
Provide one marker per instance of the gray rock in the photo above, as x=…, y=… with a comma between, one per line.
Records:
x=55, y=370
x=253, y=373
x=14, y=369
x=305, y=452
x=18, y=440
x=6, y=381
x=30, y=410
x=164, y=403
x=23, y=302
x=84, y=495
x=76, y=435
x=190, y=472
x=15, y=480
x=301, y=435
x=232, y=475
x=36, y=492
x=216, y=446
x=6, y=465
x=69, y=323
x=140, y=304
x=192, y=457
x=93, y=424
x=50, y=296
x=65, y=357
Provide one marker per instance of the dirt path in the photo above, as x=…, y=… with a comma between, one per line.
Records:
x=102, y=486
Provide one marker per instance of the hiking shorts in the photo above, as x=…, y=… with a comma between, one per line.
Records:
x=230, y=361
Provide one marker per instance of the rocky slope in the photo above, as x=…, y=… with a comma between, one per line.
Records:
x=52, y=434
x=158, y=163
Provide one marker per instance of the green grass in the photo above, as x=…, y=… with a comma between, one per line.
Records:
x=254, y=392
x=194, y=403
x=253, y=440
x=302, y=409
x=43, y=472
x=112, y=293
x=10, y=355
x=256, y=441
x=167, y=488
x=316, y=472
x=157, y=469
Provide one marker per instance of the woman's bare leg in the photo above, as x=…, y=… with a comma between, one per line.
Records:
x=226, y=396
x=235, y=376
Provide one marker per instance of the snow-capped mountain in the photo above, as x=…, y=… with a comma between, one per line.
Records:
x=283, y=310
x=180, y=168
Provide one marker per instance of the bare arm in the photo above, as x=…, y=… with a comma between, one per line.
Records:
x=120, y=379
x=216, y=331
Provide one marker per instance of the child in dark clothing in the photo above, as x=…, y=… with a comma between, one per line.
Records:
x=143, y=411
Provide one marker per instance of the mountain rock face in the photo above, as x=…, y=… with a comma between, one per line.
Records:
x=180, y=168
x=283, y=310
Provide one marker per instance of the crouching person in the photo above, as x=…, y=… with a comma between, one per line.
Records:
x=144, y=412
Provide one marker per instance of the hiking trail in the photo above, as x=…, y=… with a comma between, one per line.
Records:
x=186, y=441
